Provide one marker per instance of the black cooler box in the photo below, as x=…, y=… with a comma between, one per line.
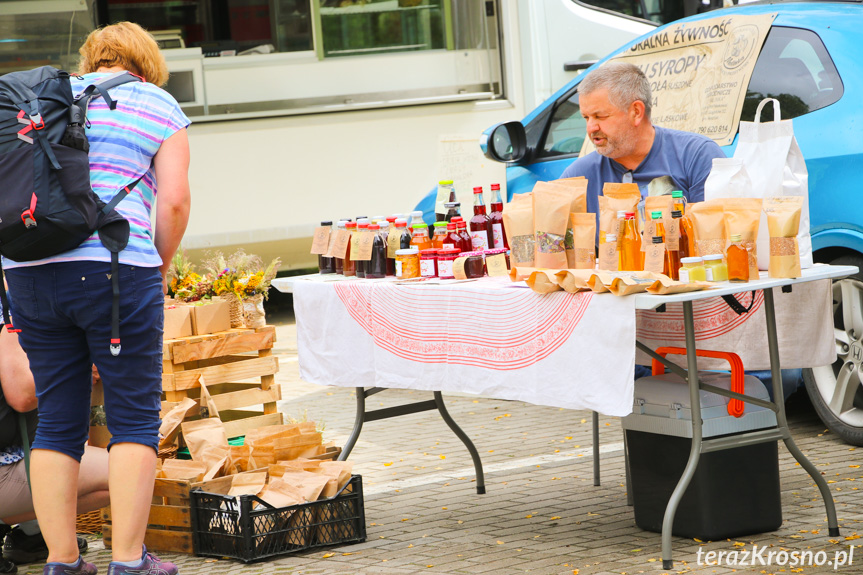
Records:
x=734, y=492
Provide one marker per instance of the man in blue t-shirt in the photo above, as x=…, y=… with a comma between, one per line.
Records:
x=616, y=100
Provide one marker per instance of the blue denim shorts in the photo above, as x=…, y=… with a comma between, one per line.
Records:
x=64, y=313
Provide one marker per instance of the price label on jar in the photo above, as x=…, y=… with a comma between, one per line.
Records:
x=393, y=243
x=608, y=259
x=364, y=241
x=672, y=234
x=321, y=240
x=654, y=258
x=458, y=269
x=496, y=265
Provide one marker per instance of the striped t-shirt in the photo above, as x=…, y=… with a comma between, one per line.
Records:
x=123, y=142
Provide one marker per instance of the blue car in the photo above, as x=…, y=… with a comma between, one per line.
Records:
x=810, y=61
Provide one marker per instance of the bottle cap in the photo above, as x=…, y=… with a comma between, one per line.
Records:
x=630, y=215
x=440, y=224
x=451, y=252
x=676, y=194
x=621, y=214
x=374, y=227
x=445, y=182
x=461, y=224
x=327, y=223
x=401, y=223
x=450, y=227
x=376, y=218
x=416, y=214
x=362, y=220
x=451, y=205
x=477, y=190
x=712, y=257
x=657, y=239
x=420, y=225
x=656, y=215
x=391, y=219
x=736, y=237
x=351, y=225
x=610, y=238
x=471, y=254
x=363, y=225
x=399, y=216
x=676, y=214
x=361, y=217
x=429, y=252
x=407, y=252
x=341, y=224
x=495, y=187
x=457, y=219
x=495, y=251
x=692, y=260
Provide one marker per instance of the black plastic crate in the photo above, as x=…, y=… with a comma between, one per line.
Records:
x=225, y=526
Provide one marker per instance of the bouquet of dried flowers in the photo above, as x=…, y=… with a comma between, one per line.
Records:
x=184, y=283
x=241, y=274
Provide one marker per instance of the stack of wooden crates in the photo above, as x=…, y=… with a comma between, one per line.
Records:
x=239, y=370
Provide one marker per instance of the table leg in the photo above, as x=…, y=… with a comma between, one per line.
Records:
x=474, y=454
x=782, y=423
x=695, y=450
x=359, y=419
x=595, y=449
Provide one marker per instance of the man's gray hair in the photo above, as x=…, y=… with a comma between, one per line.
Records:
x=625, y=83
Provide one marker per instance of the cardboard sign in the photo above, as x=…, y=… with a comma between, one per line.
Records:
x=458, y=269
x=364, y=241
x=672, y=234
x=496, y=265
x=699, y=71
x=654, y=258
x=608, y=258
x=321, y=240
x=340, y=244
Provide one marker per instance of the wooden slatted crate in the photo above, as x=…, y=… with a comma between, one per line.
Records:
x=238, y=368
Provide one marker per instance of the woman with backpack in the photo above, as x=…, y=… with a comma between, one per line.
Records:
x=63, y=306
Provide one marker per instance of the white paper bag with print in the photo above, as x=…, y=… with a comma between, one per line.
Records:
x=776, y=167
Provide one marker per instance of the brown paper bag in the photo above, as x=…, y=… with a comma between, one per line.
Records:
x=170, y=427
x=303, y=445
x=518, y=223
x=185, y=469
x=203, y=433
x=632, y=282
x=616, y=197
x=742, y=216
x=261, y=455
x=783, y=222
x=279, y=493
x=583, y=242
x=543, y=281
x=517, y=199
x=665, y=286
x=309, y=484
x=301, y=464
x=664, y=204
x=708, y=223
x=598, y=280
x=208, y=406
x=248, y=484
x=574, y=280
x=518, y=274
x=338, y=473
x=267, y=434
x=550, y=221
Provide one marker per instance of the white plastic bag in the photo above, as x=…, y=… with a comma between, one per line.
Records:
x=776, y=167
x=728, y=179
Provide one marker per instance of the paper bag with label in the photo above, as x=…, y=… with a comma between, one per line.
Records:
x=708, y=223
x=550, y=221
x=742, y=216
x=574, y=280
x=543, y=281
x=517, y=199
x=616, y=197
x=518, y=224
x=783, y=222
x=170, y=427
x=583, y=241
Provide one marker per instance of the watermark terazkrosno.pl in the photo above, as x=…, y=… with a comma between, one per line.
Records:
x=761, y=555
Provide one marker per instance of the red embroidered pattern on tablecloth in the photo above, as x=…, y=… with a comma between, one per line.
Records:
x=495, y=329
x=711, y=317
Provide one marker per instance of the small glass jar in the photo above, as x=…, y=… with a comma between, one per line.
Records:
x=407, y=263
x=428, y=263
x=445, y=259
x=692, y=270
x=474, y=266
x=715, y=268
x=496, y=251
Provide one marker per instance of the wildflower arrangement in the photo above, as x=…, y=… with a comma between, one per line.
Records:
x=184, y=283
x=241, y=274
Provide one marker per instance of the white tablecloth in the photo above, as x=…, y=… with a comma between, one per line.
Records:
x=487, y=338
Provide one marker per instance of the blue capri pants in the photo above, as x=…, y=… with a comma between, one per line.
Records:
x=64, y=313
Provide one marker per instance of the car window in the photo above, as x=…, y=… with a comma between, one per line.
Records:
x=795, y=68
x=566, y=131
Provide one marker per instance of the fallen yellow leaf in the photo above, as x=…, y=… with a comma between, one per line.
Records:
x=528, y=516
x=443, y=456
x=555, y=518
x=388, y=464
x=499, y=542
x=327, y=555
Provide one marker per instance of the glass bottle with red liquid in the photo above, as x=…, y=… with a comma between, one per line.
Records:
x=376, y=267
x=461, y=227
x=481, y=234
x=404, y=234
x=496, y=217
x=453, y=241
